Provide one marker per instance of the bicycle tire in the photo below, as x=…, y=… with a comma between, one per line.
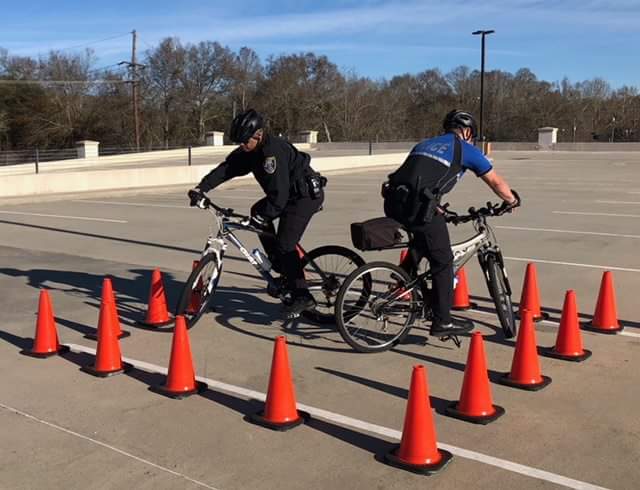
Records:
x=324, y=313
x=501, y=298
x=206, y=293
x=343, y=315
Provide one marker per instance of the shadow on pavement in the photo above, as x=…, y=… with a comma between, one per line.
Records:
x=439, y=404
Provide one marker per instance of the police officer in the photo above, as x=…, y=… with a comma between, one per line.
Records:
x=293, y=195
x=438, y=164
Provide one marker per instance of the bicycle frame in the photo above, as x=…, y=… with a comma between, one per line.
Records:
x=225, y=233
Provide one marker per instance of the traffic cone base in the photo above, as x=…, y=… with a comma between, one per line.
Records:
x=421, y=469
x=507, y=381
x=551, y=352
x=94, y=335
x=155, y=324
x=452, y=411
x=106, y=374
x=258, y=419
x=470, y=306
x=43, y=355
x=542, y=317
x=608, y=331
x=178, y=395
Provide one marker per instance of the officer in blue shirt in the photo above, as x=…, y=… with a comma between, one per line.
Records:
x=438, y=164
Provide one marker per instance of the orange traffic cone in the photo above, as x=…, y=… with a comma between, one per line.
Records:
x=605, y=318
x=109, y=298
x=461, y=293
x=108, y=361
x=280, y=412
x=475, y=404
x=417, y=451
x=181, y=378
x=530, y=299
x=569, y=340
x=46, y=342
x=525, y=367
x=195, y=300
x=157, y=313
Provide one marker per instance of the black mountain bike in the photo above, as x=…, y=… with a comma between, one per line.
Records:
x=379, y=302
x=324, y=267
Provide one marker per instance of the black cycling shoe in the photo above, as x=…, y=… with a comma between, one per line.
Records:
x=456, y=327
x=300, y=303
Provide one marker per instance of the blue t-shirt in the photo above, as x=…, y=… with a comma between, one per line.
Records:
x=441, y=148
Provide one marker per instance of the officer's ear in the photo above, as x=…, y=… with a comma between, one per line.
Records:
x=258, y=134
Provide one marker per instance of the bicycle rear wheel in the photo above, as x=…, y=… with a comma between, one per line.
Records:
x=198, y=291
x=325, y=269
x=374, y=309
x=499, y=291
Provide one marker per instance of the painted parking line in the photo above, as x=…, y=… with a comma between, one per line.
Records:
x=60, y=216
x=575, y=232
x=573, y=264
x=100, y=443
x=368, y=427
x=141, y=204
x=598, y=214
x=556, y=324
x=618, y=202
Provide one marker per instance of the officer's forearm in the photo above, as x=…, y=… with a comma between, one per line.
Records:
x=499, y=186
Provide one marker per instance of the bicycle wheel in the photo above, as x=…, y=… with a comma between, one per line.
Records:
x=199, y=289
x=501, y=297
x=374, y=309
x=325, y=269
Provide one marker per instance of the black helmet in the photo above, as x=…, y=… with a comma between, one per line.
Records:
x=458, y=119
x=244, y=125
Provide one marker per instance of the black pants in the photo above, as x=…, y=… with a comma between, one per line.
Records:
x=282, y=248
x=431, y=241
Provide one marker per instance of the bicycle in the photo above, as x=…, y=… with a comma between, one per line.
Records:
x=324, y=268
x=383, y=294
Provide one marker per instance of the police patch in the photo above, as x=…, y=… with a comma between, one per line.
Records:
x=270, y=165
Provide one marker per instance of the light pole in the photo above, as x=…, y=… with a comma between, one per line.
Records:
x=483, y=34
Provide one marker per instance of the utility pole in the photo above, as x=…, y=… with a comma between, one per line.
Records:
x=483, y=34
x=133, y=66
x=134, y=89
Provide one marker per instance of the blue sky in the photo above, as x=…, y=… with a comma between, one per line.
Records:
x=580, y=39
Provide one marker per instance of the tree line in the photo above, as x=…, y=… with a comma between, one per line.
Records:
x=188, y=89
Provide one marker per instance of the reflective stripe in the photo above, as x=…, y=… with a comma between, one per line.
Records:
x=443, y=161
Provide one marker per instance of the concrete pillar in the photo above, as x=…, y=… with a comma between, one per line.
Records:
x=309, y=136
x=87, y=149
x=214, y=138
x=547, y=137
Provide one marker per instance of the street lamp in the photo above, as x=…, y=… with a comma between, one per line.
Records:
x=483, y=34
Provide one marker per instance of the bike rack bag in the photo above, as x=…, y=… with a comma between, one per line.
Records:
x=377, y=234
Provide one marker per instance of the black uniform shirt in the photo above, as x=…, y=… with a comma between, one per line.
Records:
x=277, y=166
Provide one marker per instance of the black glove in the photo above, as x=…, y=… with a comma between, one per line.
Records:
x=259, y=222
x=508, y=207
x=196, y=198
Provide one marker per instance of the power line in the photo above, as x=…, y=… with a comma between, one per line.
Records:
x=90, y=43
x=59, y=82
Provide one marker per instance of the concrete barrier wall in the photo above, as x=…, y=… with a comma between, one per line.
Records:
x=12, y=186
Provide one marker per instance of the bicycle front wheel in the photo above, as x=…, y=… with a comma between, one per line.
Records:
x=198, y=291
x=502, y=299
x=325, y=269
x=375, y=309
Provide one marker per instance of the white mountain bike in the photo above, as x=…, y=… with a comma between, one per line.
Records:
x=379, y=302
x=324, y=267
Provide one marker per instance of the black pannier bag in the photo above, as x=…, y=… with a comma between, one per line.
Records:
x=376, y=234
